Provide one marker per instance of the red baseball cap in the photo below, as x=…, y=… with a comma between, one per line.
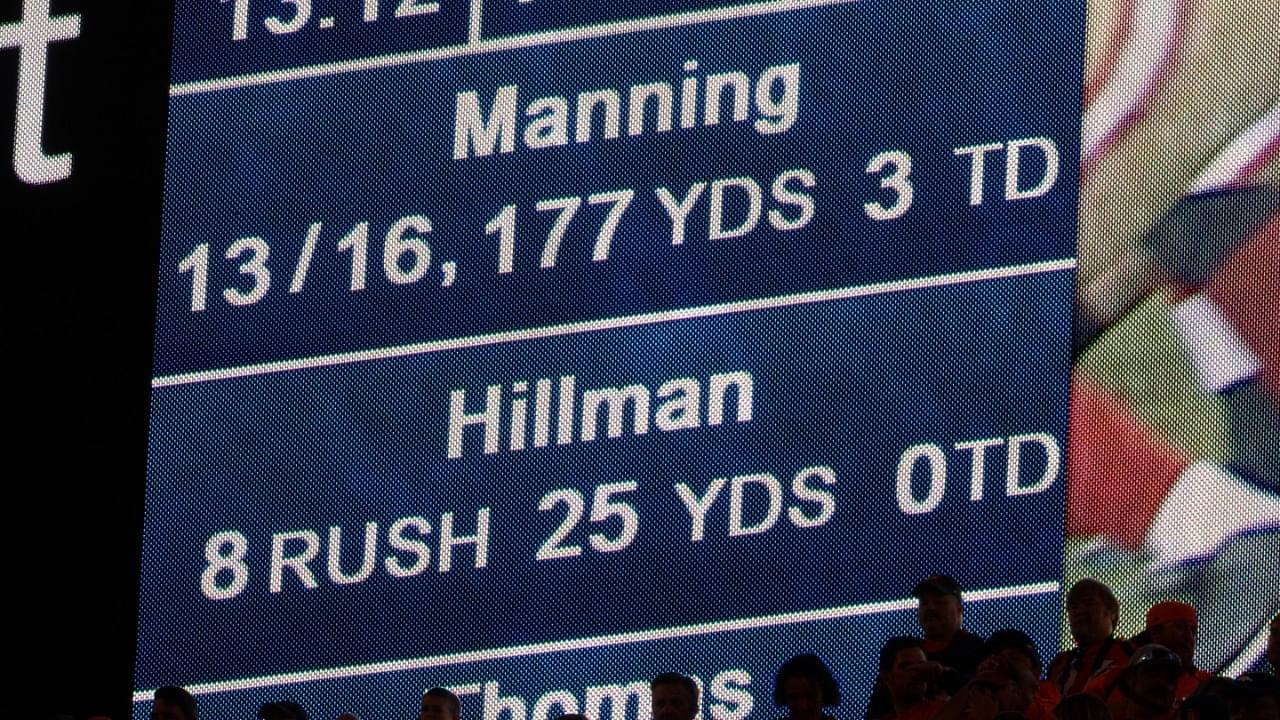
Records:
x=1167, y=612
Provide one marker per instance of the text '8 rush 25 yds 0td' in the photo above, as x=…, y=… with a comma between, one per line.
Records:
x=531, y=348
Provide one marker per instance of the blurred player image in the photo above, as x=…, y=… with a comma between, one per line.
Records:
x=1174, y=461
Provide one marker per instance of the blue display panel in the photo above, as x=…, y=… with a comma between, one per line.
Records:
x=545, y=324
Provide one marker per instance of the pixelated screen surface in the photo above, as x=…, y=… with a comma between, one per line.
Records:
x=1174, y=460
x=532, y=349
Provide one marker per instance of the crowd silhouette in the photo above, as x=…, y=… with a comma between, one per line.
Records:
x=950, y=673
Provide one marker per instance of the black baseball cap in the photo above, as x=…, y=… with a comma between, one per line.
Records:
x=1016, y=639
x=938, y=585
x=1154, y=654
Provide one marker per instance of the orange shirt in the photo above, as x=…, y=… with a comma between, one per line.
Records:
x=1190, y=682
x=1105, y=684
x=1072, y=670
x=1045, y=699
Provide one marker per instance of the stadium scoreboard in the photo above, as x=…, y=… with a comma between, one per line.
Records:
x=533, y=348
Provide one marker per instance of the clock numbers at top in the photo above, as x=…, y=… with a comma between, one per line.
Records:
x=293, y=15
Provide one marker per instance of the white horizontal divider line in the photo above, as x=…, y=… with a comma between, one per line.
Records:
x=585, y=326
x=683, y=631
x=480, y=47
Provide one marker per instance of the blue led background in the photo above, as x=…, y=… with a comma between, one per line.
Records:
x=328, y=437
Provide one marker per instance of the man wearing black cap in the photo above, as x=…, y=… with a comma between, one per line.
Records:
x=957, y=650
x=1013, y=653
x=1148, y=685
x=1007, y=685
x=940, y=613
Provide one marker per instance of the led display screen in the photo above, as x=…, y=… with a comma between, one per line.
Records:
x=534, y=348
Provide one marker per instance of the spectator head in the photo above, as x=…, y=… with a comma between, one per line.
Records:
x=174, y=703
x=1013, y=648
x=439, y=704
x=1173, y=625
x=1255, y=696
x=282, y=710
x=675, y=697
x=941, y=611
x=804, y=686
x=905, y=671
x=1082, y=706
x=1151, y=679
x=1092, y=611
x=1009, y=671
